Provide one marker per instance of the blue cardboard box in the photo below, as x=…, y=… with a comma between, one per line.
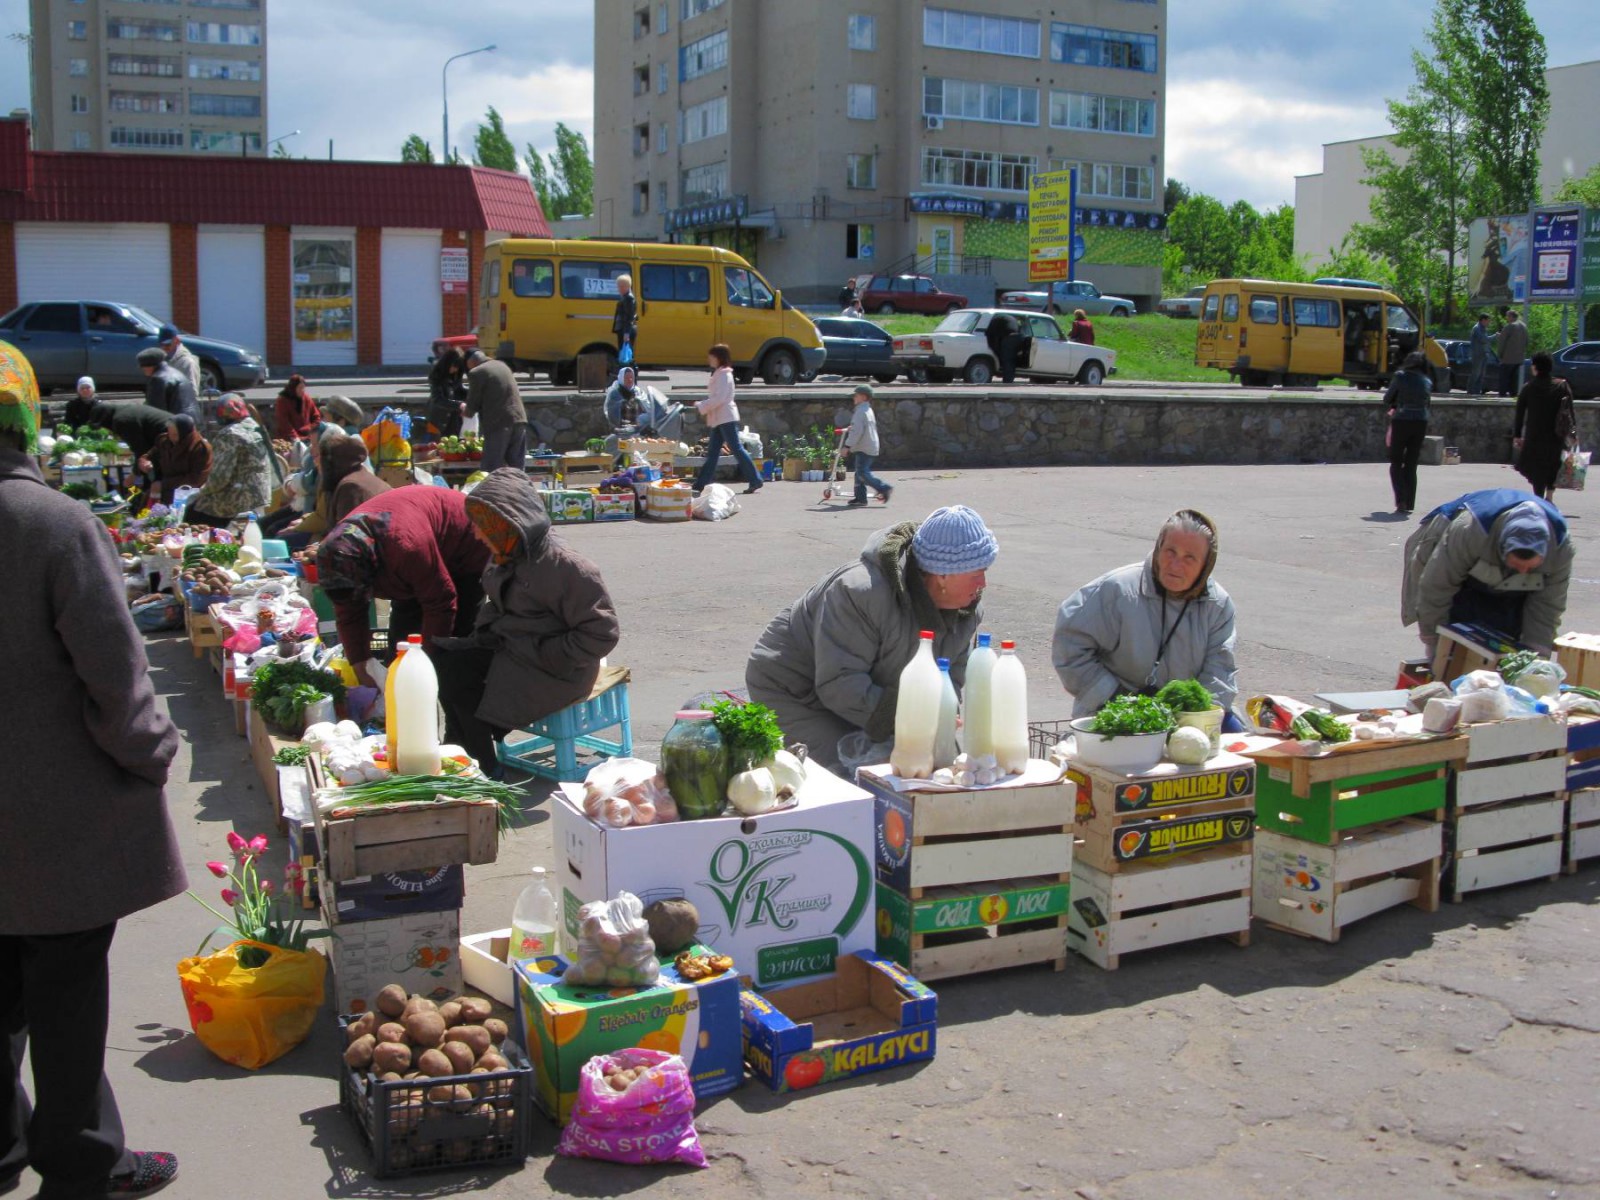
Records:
x=869, y=1016
x=398, y=894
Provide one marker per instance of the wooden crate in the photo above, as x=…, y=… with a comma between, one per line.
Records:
x=1152, y=904
x=263, y=745
x=1315, y=890
x=1494, y=741
x=1507, y=760
x=1164, y=813
x=1579, y=656
x=1512, y=841
x=965, y=929
x=1463, y=649
x=1318, y=798
x=1583, y=752
x=204, y=633
x=376, y=841
x=1583, y=828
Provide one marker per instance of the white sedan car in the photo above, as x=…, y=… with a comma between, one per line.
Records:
x=958, y=348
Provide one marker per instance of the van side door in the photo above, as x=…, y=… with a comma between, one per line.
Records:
x=676, y=326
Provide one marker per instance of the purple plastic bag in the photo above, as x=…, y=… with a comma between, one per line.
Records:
x=651, y=1122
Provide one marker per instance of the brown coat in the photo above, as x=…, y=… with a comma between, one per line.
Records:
x=184, y=463
x=354, y=490
x=493, y=398
x=85, y=838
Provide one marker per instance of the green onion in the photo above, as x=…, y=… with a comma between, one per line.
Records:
x=430, y=789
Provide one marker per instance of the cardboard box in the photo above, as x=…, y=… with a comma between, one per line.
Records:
x=419, y=952
x=396, y=894
x=569, y=507
x=786, y=893
x=868, y=1016
x=614, y=506
x=576, y=460
x=484, y=967
x=665, y=502
x=564, y=1027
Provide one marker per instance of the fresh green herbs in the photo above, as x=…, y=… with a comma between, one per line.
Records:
x=430, y=789
x=79, y=490
x=1515, y=663
x=292, y=756
x=1186, y=695
x=749, y=731
x=1124, y=716
x=284, y=690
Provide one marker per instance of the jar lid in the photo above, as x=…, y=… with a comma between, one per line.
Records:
x=692, y=714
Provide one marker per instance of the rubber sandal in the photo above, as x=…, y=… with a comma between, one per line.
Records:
x=152, y=1171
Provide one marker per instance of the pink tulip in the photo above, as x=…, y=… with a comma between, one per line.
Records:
x=235, y=842
x=220, y=870
x=258, y=844
x=299, y=885
x=292, y=870
x=266, y=887
x=230, y=897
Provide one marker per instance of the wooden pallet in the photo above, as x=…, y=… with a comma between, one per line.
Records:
x=1163, y=814
x=1583, y=828
x=1579, y=656
x=1315, y=890
x=1511, y=841
x=967, y=929
x=1152, y=904
x=1320, y=798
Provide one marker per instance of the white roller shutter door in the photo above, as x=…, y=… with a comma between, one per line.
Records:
x=412, y=308
x=233, y=285
x=127, y=263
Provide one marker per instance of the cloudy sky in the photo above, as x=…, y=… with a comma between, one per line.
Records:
x=1254, y=88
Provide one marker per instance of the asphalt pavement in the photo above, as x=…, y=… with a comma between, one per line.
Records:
x=1423, y=1055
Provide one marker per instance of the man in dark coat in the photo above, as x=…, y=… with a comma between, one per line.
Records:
x=85, y=838
x=1004, y=336
x=493, y=398
x=139, y=425
x=166, y=387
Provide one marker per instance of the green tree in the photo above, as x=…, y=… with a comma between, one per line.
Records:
x=1580, y=189
x=541, y=181
x=491, y=147
x=415, y=150
x=1174, y=194
x=1266, y=249
x=1207, y=236
x=564, y=179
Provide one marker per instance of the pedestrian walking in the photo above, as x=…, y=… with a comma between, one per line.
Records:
x=180, y=356
x=1408, y=398
x=1478, y=350
x=493, y=397
x=1512, y=347
x=625, y=317
x=1082, y=330
x=295, y=413
x=862, y=442
x=98, y=792
x=1544, y=427
x=719, y=411
x=165, y=387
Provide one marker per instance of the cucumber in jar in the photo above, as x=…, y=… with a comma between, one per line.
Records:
x=695, y=763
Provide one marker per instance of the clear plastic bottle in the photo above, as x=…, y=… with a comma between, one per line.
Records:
x=535, y=922
x=416, y=702
x=977, y=730
x=391, y=717
x=1010, y=700
x=916, y=714
x=944, y=741
x=252, y=534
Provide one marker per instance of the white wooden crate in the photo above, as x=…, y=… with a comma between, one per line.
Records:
x=1494, y=740
x=1511, y=842
x=1317, y=890
x=1583, y=827
x=1146, y=905
x=1509, y=781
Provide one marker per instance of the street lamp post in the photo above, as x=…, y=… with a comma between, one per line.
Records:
x=444, y=87
x=267, y=149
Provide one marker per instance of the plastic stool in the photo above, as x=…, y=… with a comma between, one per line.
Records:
x=549, y=747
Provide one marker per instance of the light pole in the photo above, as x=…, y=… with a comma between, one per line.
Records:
x=444, y=87
x=267, y=149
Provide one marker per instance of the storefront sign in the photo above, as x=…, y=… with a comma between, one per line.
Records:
x=1051, y=197
x=1007, y=210
x=1556, y=232
x=1591, y=256
x=453, y=277
x=709, y=215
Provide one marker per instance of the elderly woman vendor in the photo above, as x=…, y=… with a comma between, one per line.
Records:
x=1150, y=622
x=830, y=663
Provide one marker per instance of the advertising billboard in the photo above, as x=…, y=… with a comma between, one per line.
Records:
x=1591, y=256
x=1050, y=225
x=1556, y=234
x=1497, y=260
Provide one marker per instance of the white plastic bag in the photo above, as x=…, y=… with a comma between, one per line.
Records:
x=716, y=503
x=620, y=792
x=469, y=425
x=614, y=946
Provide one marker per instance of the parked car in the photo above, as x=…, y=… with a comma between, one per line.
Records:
x=959, y=348
x=909, y=294
x=1458, y=353
x=1065, y=295
x=1184, y=306
x=66, y=339
x=855, y=348
x=1579, y=365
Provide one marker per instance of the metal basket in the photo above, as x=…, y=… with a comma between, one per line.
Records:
x=1044, y=735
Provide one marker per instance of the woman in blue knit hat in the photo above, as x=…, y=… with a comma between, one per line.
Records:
x=829, y=664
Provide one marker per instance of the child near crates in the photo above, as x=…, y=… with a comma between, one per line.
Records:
x=862, y=442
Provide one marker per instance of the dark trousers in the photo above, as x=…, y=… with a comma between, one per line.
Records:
x=865, y=478
x=55, y=994
x=506, y=448
x=274, y=522
x=405, y=616
x=1012, y=347
x=1508, y=378
x=463, y=674
x=726, y=435
x=193, y=516
x=1405, y=447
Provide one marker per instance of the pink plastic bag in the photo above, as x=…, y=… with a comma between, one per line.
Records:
x=651, y=1121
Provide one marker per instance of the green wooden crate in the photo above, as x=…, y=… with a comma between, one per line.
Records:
x=1334, y=806
x=905, y=925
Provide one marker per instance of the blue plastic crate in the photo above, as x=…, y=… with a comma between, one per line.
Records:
x=549, y=747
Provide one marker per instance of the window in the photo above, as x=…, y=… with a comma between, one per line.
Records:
x=685, y=285
x=227, y=141
x=641, y=23
x=78, y=68
x=859, y=241
x=324, y=289
x=663, y=15
x=1103, y=114
x=703, y=57
x=1322, y=313
x=641, y=199
x=80, y=139
x=532, y=278
x=861, y=170
x=975, y=31
x=693, y=8
x=641, y=140
x=1230, y=308
x=709, y=182
x=207, y=104
x=959, y=100
x=252, y=5
x=133, y=30
x=1113, y=180
x=1210, y=311
x=1044, y=329
x=861, y=102
x=582, y=279
x=977, y=169
x=662, y=75
x=54, y=318
x=242, y=69
x=746, y=289
x=706, y=120
x=142, y=64
x=1264, y=310
x=80, y=104
x=78, y=31
x=863, y=32
x=215, y=34
x=663, y=138
x=146, y=102
x=146, y=139
x=110, y=320
x=1084, y=45
x=641, y=80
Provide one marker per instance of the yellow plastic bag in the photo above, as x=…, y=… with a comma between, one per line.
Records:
x=251, y=1016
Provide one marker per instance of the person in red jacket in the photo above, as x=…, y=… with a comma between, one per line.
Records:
x=413, y=547
x=1081, y=331
x=296, y=412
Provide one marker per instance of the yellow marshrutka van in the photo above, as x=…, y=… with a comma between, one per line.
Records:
x=1267, y=333
x=544, y=302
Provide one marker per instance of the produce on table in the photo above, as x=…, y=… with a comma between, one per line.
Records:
x=621, y=792
x=694, y=762
x=1516, y=663
x=1188, y=746
x=614, y=946
x=282, y=691
x=1316, y=726
x=970, y=771
x=1186, y=695
x=292, y=756
x=1124, y=716
x=429, y=789
x=755, y=792
x=673, y=924
x=695, y=967
x=749, y=731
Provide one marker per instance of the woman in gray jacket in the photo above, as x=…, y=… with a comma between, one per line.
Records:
x=1150, y=622
x=829, y=664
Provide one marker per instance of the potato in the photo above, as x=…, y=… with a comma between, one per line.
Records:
x=418, y=1004
x=358, y=1054
x=392, y=1000
x=497, y=1030
x=424, y=1028
x=391, y=1031
x=441, y=1093
x=450, y=1010
x=413, y=1075
x=474, y=1011
x=364, y=1024
x=475, y=1036
x=460, y=1055
x=392, y=1077
x=390, y=1056
x=495, y=1061
x=434, y=1063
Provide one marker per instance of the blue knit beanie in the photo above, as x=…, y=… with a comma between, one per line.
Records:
x=954, y=541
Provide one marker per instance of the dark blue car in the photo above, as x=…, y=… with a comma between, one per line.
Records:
x=855, y=348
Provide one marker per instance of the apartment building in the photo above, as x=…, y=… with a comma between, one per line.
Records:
x=170, y=76
x=837, y=137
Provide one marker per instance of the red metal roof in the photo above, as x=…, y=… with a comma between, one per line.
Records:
x=192, y=190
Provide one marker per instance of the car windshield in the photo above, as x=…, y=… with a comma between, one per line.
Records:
x=143, y=317
x=958, y=322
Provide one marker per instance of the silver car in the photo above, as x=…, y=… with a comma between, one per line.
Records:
x=1066, y=295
